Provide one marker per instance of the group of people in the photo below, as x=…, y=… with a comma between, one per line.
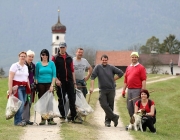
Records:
x=45, y=75
x=66, y=73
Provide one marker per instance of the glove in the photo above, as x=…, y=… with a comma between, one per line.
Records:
x=123, y=94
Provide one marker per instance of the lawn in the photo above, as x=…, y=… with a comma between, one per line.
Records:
x=166, y=97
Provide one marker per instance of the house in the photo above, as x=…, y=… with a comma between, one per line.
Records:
x=121, y=59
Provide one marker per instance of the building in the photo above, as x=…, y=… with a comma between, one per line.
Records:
x=58, y=35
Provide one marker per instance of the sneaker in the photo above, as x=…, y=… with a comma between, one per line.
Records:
x=29, y=123
x=21, y=124
x=77, y=119
x=51, y=123
x=42, y=122
x=107, y=124
x=115, y=120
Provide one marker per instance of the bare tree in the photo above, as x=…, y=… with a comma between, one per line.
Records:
x=89, y=53
x=154, y=65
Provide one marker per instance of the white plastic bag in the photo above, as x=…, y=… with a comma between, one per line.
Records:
x=12, y=107
x=47, y=106
x=82, y=106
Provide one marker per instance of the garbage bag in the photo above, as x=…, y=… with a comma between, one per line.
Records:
x=82, y=107
x=47, y=106
x=12, y=106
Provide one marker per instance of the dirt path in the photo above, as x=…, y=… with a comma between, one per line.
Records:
x=47, y=132
x=44, y=132
x=113, y=133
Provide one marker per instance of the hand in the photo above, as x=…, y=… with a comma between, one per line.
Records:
x=9, y=92
x=91, y=90
x=123, y=93
x=75, y=86
x=58, y=82
x=51, y=89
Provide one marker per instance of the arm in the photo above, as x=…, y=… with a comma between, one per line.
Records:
x=10, y=81
x=91, y=86
x=135, y=108
x=89, y=73
x=74, y=79
x=54, y=77
x=151, y=113
x=144, y=84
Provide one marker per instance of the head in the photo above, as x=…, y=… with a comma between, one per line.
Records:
x=134, y=57
x=144, y=94
x=62, y=48
x=30, y=56
x=44, y=55
x=104, y=59
x=22, y=56
x=79, y=53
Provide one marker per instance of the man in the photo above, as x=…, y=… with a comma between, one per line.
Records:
x=107, y=75
x=171, y=66
x=134, y=80
x=65, y=81
x=30, y=98
x=80, y=66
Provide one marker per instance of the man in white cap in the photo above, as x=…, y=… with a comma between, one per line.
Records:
x=134, y=80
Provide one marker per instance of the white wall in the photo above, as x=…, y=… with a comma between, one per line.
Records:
x=165, y=68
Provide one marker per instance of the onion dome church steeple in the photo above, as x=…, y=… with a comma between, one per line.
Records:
x=58, y=35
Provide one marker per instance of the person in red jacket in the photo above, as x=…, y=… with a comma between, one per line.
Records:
x=134, y=80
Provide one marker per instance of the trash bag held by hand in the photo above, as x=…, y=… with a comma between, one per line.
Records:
x=47, y=106
x=12, y=107
x=82, y=106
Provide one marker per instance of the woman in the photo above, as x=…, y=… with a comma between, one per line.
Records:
x=45, y=76
x=30, y=98
x=18, y=75
x=147, y=104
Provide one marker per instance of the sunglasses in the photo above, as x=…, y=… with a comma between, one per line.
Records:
x=43, y=54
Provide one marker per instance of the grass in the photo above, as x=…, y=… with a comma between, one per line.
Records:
x=166, y=97
x=7, y=129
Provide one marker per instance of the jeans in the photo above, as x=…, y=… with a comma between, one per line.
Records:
x=21, y=96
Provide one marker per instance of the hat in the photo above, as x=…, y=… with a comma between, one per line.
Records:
x=29, y=52
x=62, y=44
x=135, y=53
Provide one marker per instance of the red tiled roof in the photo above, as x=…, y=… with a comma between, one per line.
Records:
x=116, y=58
x=122, y=58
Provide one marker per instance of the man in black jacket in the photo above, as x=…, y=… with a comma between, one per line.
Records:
x=65, y=81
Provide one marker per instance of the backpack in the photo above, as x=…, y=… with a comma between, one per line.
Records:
x=149, y=103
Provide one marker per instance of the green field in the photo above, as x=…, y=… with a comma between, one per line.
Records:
x=166, y=97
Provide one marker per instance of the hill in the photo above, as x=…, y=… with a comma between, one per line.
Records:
x=102, y=24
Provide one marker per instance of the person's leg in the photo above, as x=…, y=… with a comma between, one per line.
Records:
x=132, y=94
x=72, y=99
x=61, y=92
x=150, y=124
x=110, y=100
x=21, y=96
x=41, y=91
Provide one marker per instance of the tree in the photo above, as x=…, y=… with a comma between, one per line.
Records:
x=153, y=64
x=89, y=53
x=2, y=72
x=152, y=44
x=171, y=45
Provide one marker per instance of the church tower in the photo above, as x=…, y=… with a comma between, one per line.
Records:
x=58, y=35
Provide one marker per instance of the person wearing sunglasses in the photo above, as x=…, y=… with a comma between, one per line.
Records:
x=18, y=75
x=45, y=75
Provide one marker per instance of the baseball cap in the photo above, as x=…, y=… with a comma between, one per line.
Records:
x=135, y=53
x=62, y=44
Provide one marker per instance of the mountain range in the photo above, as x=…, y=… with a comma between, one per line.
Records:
x=99, y=24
